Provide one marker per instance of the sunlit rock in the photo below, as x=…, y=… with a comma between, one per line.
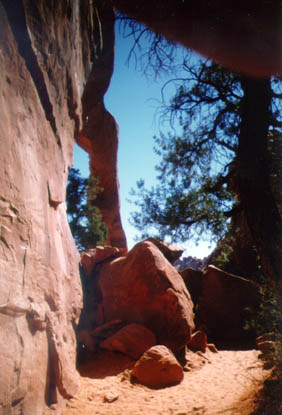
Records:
x=157, y=368
x=145, y=288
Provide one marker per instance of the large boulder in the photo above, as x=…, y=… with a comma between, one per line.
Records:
x=157, y=368
x=132, y=340
x=89, y=340
x=145, y=288
x=224, y=304
x=198, y=342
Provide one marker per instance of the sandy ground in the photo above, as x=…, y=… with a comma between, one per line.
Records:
x=214, y=384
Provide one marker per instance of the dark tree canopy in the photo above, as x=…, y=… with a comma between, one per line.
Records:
x=84, y=217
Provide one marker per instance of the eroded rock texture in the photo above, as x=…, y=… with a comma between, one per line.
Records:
x=157, y=368
x=47, y=51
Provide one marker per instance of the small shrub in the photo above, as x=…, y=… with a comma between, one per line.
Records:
x=269, y=320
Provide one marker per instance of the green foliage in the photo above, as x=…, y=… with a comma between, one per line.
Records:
x=85, y=219
x=269, y=317
x=178, y=212
x=192, y=197
x=224, y=251
x=195, y=193
x=268, y=322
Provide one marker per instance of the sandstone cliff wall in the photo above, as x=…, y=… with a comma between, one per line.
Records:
x=47, y=52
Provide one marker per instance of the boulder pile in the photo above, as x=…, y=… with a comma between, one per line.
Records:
x=141, y=288
x=139, y=305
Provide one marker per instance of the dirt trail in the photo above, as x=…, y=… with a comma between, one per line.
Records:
x=216, y=383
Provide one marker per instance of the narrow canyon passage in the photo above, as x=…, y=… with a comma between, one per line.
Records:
x=56, y=60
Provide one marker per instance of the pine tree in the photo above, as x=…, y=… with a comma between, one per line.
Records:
x=85, y=219
x=216, y=171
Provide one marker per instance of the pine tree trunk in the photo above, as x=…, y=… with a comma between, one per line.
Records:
x=253, y=176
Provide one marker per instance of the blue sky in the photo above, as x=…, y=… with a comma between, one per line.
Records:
x=133, y=100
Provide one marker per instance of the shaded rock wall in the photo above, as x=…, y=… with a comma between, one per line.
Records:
x=236, y=34
x=224, y=305
x=47, y=49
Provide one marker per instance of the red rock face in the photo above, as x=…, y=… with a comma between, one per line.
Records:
x=145, y=288
x=46, y=51
x=132, y=340
x=158, y=368
x=99, y=135
x=198, y=342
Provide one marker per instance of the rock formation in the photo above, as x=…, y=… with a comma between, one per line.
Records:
x=56, y=61
x=99, y=135
x=223, y=303
x=224, y=306
x=157, y=368
x=48, y=53
x=91, y=257
x=132, y=340
x=198, y=342
x=171, y=252
x=236, y=35
x=143, y=287
x=39, y=261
